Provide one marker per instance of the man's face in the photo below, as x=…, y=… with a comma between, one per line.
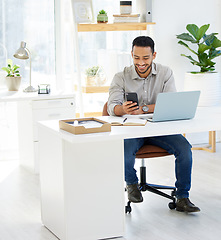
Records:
x=143, y=58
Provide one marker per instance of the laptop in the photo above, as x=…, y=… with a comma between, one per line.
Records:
x=172, y=106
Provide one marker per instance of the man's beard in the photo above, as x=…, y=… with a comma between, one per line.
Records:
x=145, y=70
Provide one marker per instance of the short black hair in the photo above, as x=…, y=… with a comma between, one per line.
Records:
x=143, y=41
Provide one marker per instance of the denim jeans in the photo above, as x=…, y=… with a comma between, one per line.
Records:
x=174, y=144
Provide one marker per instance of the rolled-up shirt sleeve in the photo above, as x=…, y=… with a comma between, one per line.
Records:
x=116, y=93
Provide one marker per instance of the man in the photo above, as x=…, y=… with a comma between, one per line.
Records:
x=147, y=79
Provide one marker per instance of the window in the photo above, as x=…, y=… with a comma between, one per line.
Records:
x=33, y=22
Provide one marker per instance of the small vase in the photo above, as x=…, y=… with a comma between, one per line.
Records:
x=13, y=83
x=90, y=81
x=102, y=18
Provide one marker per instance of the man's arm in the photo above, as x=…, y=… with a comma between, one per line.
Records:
x=131, y=108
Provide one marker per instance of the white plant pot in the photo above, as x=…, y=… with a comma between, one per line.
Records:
x=208, y=83
x=13, y=83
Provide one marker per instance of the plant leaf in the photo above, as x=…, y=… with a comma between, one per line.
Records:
x=193, y=29
x=9, y=62
x=202, y=48
x=6, y=69
x=186, y=37
x=208, y=39
x=185, y=45
x=214, y=53
x=202, y=31
x=216, y=42
x=198, y=33
x=15, y=67
x=194, y=62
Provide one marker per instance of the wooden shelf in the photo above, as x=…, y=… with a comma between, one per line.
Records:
x=103, y=27
x=94, y=89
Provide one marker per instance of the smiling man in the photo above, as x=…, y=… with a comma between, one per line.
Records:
x=147, y=79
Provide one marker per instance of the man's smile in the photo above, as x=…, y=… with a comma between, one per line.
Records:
x=141, y=67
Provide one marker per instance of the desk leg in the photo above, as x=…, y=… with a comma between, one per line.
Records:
x=82, y=187
x=94, y=189
x=212, y=143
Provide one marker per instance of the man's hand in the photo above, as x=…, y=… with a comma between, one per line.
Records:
x=131, y=108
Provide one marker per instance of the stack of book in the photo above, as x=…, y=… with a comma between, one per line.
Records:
x=119, y=18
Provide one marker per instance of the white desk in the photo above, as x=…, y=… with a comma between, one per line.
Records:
x=82, y=176
x=33, y=107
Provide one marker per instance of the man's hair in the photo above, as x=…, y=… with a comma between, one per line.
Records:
x=143, y=41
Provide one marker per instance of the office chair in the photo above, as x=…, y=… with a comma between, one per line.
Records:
x=149, y=151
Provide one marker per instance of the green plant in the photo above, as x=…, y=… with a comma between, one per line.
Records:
x=102, y=12
x=206, y=46
x=12, y=70
x=91, y=72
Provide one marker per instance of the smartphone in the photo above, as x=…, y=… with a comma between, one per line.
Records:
x=132, y=96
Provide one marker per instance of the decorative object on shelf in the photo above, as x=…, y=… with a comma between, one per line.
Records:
x=44, y=89
x=125, y=15
x=82, y=11
x=13, y=78
x=23, y=53
x=125, y=7
x=205, y=80
x=144, y=7
x=102, y=17
x=91, y=75
x=95, y=76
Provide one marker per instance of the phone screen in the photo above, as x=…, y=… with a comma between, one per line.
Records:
x=132, y=96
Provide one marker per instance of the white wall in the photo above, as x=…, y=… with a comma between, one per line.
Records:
x=171, y=17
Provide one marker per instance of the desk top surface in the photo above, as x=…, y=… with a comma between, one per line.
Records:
x=14, y=96
x=206, y=119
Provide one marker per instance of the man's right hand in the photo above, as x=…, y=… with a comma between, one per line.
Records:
x=129, y=107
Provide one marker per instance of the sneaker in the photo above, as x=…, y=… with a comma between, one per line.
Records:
x=184, y=205
x=134, y=194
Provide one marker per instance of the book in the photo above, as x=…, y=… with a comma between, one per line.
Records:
x=118, y=18
x=125, y=20
x=126, y=15
x=125, y=121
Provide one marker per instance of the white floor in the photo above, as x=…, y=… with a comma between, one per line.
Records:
x=20, y=214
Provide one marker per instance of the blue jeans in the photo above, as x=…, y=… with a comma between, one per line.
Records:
x=174, y=144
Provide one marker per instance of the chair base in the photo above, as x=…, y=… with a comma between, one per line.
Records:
x=154, y=189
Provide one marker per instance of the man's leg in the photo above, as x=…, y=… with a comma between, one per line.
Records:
x=180, y=147
x=131, y=146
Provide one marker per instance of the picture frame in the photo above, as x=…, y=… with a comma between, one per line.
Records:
x=83, y=11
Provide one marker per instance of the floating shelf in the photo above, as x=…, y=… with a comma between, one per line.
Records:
x=103, y=27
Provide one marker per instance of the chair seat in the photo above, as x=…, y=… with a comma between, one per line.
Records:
x=149, y=151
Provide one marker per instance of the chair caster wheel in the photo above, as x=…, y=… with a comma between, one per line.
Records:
x=172, y=205
x=128, y=209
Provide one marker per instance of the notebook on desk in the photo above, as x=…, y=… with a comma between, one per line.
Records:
x=172, y=106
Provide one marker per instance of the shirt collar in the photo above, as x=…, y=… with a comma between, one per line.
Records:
x=135, y=76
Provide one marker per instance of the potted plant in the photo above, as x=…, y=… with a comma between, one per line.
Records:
x=91, y=75
x=204, y=50
x=95, y=76
x=13, y=77
x=102, y=17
